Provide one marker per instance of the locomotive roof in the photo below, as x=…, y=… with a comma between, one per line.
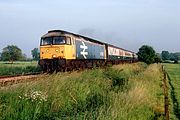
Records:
x=60, y=32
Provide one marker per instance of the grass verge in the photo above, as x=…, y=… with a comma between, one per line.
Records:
x=129, y=91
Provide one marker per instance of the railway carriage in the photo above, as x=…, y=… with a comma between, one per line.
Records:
x=62, y=50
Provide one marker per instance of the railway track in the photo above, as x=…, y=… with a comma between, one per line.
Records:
x=9, y=80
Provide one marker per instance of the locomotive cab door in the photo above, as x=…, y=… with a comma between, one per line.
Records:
x=70, y=48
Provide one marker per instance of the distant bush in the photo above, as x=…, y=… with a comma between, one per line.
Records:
x=176, y=61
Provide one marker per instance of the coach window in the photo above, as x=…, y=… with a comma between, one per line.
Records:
x=68, y=40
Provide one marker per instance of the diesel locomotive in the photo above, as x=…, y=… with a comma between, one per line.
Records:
x=61, y=50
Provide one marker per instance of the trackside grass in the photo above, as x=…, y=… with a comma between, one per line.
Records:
x=173, y=71
x=7, y=68
x=122, y=92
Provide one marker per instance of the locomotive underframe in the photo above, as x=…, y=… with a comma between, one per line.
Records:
x=51, y=65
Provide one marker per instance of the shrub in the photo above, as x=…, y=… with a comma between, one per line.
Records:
x=118, y=79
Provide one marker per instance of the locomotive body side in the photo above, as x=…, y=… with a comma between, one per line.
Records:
x=89, y=50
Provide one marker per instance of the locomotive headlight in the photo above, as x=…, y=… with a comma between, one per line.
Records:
x=47, y=50
x=57, y=50
x=54, y=56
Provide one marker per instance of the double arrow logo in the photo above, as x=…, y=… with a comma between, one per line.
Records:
x=84, y=47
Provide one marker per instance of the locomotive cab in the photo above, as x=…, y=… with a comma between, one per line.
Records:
x=55, y=49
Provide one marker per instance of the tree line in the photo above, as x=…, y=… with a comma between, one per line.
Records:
x=166, y=55
x=148, y=55
x=14, y=53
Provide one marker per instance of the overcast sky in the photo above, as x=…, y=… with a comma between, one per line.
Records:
x=126, y=23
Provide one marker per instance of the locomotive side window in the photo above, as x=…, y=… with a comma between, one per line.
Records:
x=59, y=40
x=46, y=41
x=68, y=40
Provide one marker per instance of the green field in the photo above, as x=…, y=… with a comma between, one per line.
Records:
x=122, y=92
x=18, y=67
x=173, y=71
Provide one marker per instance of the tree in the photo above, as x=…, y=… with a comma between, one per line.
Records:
x=146, y=54
x=165, y=55
x=35, y=54
x=11, y=53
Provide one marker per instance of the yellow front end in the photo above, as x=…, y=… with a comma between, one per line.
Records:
x=57, y=52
